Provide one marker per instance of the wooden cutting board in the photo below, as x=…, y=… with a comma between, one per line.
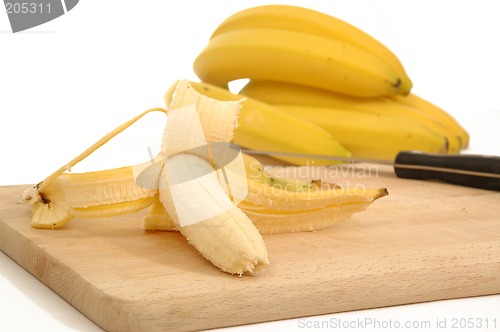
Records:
x=426, y=241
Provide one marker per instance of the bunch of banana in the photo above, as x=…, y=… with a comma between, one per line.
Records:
x=203, y=209
x=328, y=73
x=302, y=46
x=367, y=127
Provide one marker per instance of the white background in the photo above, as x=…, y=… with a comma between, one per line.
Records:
x=66, y=83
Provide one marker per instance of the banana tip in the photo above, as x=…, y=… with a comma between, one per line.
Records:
x=381, y=193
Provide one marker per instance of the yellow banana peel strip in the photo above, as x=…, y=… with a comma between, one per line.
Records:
x=62, y=196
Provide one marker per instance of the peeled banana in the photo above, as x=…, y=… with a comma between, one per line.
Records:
x=202, y=207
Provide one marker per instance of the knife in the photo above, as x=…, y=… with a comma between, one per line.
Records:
x=478, y=171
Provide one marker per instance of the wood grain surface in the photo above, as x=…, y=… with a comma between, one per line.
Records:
x=426, y=241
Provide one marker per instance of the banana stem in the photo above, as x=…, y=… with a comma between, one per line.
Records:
x=42, y=185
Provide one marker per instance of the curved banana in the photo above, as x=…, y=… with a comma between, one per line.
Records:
x=293, y=18
x=293, y=94
x=187, y=193
x=370, y=136
x=263, y=127
x=296, y=57
x=436, y=112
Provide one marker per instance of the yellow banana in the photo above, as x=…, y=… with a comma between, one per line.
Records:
x=296, y=57
x=436, y=112
x=263, y=127
x=294, y=94
x=368, y=135
x=292, y=18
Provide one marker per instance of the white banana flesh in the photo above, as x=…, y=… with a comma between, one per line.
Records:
x=218, y=229
x=189, y=192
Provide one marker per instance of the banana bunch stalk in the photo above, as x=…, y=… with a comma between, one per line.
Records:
x=327, y=73
x=187, y=190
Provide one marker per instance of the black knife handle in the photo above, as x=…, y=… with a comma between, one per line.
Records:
x=476, y=171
